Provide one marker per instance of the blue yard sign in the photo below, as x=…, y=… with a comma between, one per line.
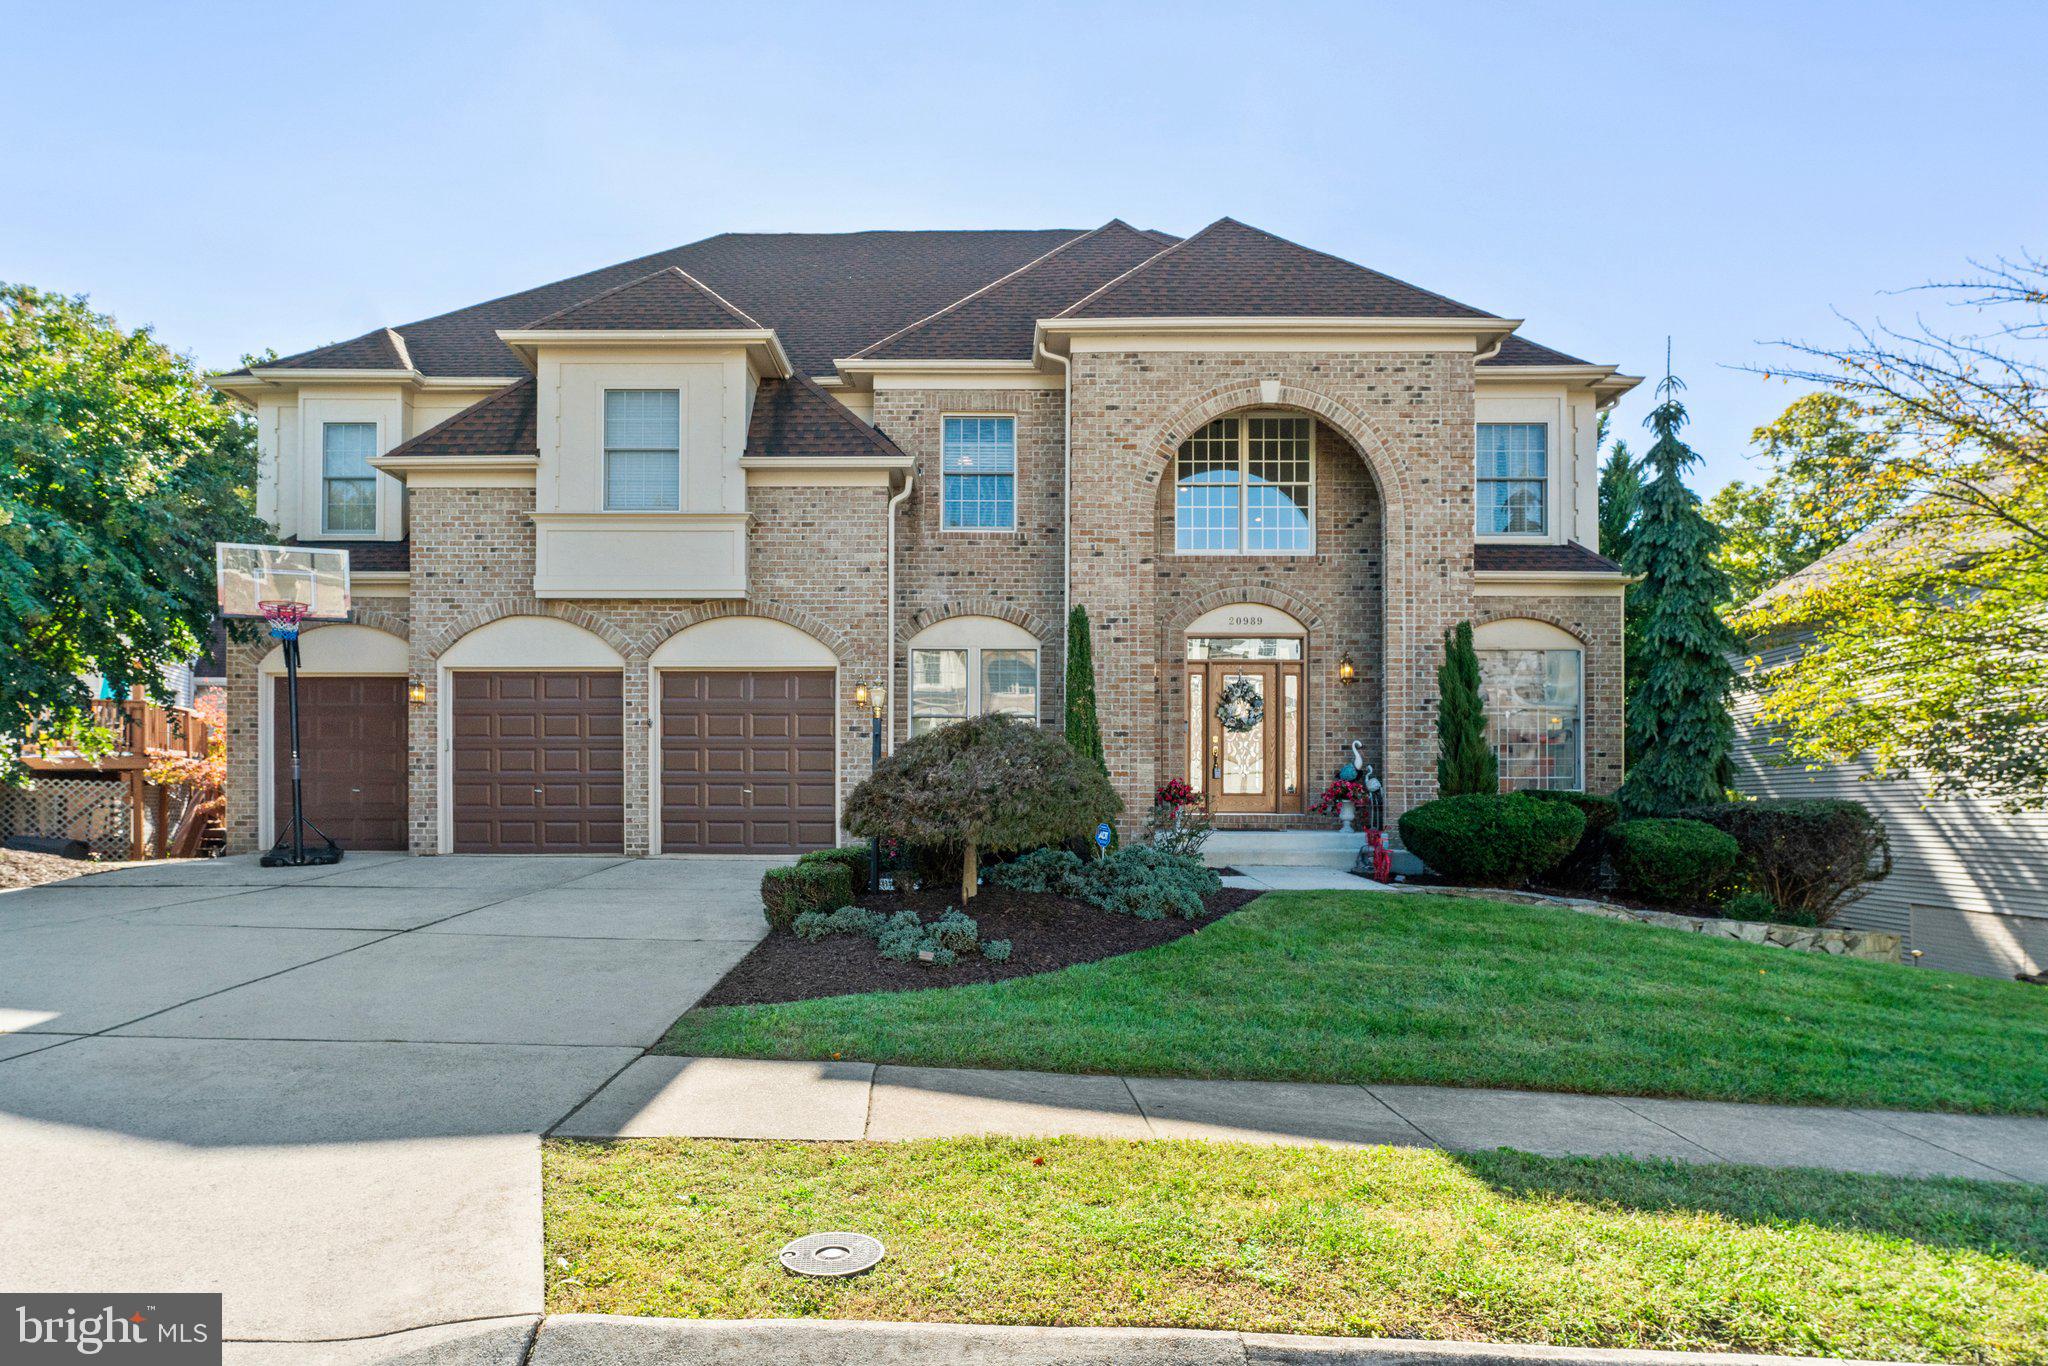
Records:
x=1103, y=834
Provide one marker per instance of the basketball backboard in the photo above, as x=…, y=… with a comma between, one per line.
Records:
x=247, y=576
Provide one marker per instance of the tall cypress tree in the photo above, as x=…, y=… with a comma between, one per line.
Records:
x=1464, y=761
x=1084, y=732
x=1679, y=733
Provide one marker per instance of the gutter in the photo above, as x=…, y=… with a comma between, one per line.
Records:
x=1066, y=365
x=889, y=644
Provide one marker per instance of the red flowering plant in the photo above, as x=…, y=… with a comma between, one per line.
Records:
x=1336, y=794
x=1180, y=819
x=1175, y=792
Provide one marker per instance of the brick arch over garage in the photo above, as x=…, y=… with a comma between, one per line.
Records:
x=483, y=614
x=677, y=622
x=973, y=607
x=390, y=623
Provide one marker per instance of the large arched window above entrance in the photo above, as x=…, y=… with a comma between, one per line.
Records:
x=1245, y=485
x=1531, y=675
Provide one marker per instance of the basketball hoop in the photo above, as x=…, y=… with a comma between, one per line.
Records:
x=284, y=617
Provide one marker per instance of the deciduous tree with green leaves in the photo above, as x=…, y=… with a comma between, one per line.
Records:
x=1814, y=498
x=119, y=470
x=1464, y=761
x=1679, y=732
x=1930, y=632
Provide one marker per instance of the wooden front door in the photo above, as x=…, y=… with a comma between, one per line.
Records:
x=1257, y=769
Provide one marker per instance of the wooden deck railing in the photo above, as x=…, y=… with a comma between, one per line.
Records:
x=143, y=732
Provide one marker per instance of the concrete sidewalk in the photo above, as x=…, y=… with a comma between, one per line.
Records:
x=751, y=1098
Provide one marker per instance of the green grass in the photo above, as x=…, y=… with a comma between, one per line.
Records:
x=1364, y=987
x=1606, y=1252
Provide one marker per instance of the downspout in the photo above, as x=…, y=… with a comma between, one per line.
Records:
x=1066, y=365
x=889, y=645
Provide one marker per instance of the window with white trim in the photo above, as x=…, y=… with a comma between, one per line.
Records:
x=643, y=465
x=1514, y=478
x=1244, y=485
x=348, y=486
x=971, y=666
x=978, y=468
x=1534, y=711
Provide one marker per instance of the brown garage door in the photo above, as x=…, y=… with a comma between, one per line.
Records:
x=352, y=749
x=747, y=762
x=539, y=763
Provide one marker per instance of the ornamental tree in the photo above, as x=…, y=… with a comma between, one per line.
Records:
x=1679, y=732
x=1084, y=731
x=989, y=783
x=119, y=470
x=1464, y=761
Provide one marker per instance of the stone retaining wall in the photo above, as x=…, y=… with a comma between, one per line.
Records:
x=1873, y=945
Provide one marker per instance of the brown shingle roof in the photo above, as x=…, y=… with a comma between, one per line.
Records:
x=1231, y=270
x=1522, y=351
x=367, y=557
x=378, y=350
x=997, y=322
x=502, y=424
x=827, y=294
x=669, y=299
x=794, y=417
x=1569, y=558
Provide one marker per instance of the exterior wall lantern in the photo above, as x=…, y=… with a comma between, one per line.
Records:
x=416, y=693
x=1347, y=672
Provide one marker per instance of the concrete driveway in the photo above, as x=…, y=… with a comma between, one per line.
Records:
x=320, y=1091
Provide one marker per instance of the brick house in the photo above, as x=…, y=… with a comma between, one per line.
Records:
x=624, y=546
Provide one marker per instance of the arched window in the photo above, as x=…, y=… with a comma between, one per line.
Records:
x=1245, y=485
x=1532, y=677
x=969, y=666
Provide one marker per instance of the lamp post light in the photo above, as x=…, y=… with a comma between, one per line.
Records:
x=872, y=700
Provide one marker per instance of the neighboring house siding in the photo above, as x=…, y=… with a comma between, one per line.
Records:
x=1969, y=883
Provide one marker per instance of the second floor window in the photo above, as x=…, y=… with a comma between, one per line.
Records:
x=642, y=450
x=348, y=486
x=1241, y=486
x=1514, y=479
x=978, y=463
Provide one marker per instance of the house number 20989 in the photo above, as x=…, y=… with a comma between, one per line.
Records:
x=1247, y=621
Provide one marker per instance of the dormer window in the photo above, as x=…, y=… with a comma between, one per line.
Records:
x=1514, y=479
x=348, y=486
x=642, y=450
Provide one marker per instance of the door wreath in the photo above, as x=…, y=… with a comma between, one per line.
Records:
x=1240, y=706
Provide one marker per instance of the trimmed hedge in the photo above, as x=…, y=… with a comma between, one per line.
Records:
x=853, y=857
x=1489, y=839
x=1581, y=868
x=1810, y=856
x=787, y=893
x=1672, y=861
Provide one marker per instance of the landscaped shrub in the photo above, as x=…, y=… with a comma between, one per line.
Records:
x=787, y=893
x=1041, y=870
x=1148, y=883
x=1179, y=822
x=812, y=926
x=904, y=937
x=1756, y=906
x=992, y=783
x=1581, y=867
x=996, y=950
x=1489, y=839
x=1673, y=861
x=857, y=859
x=1810, y=857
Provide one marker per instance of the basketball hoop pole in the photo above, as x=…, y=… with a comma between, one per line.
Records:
x=284, y=619
x=291, y=687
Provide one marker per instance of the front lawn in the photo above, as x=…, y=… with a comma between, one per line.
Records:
x=1605, y=1252
x=1377, y=987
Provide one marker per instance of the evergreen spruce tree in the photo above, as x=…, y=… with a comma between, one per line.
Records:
x=1464, y=761
x=1679, y=733
x=1084, y=732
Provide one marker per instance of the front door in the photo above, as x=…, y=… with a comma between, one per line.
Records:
x=1253, y=762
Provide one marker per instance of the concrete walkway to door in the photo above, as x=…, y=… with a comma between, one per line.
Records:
x=321, y=1091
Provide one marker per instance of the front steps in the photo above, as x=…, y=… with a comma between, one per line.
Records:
x=1294, y=849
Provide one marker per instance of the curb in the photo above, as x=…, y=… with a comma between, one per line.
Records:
x=620, y=1340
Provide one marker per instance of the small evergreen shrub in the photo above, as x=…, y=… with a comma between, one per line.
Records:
x=1041, y=870
x=1489, y=839
x=1756, y=906
x=855, y=858
x=787, y=893
x=1670, y=861
x=812, y=926
x=1809, y=857
x=996, y=950
x=1581, y=867
x=1148, y=883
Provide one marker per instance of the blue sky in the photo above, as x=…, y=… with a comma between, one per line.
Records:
x=1727, y=174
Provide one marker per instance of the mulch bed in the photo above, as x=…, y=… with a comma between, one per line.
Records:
x=1046, y=933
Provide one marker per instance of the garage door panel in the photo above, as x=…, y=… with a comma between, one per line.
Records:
x=352, y=759
x=540, y=759
x=748, y=760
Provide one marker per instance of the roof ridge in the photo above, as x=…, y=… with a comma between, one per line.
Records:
x=398, y=345
x=1151, y=260
x=1332, y=256
x=965, y=299
x=677, y=271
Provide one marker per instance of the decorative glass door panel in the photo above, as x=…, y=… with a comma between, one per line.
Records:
x=1252, y=761
x=1244, y=751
